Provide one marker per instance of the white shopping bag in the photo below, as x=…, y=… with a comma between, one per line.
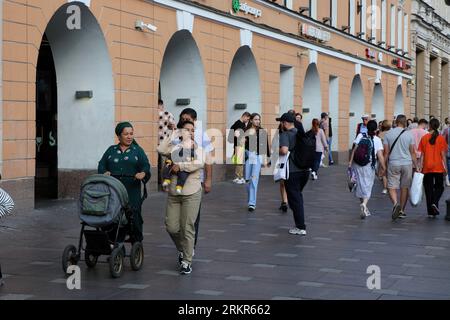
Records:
x=416, y=193
x=281, y=170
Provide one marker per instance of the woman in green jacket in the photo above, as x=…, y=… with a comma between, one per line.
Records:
x=128, y=162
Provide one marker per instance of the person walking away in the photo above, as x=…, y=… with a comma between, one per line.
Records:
x=330, y=141
x=321, y=146
x=363, y=160
x=183, y=208
x=400, y=157
x=325, y=126
x=418, y=134
x=362, y=127
x=446, y=135
x=276, y=145
x=384, y=128
x=257, y=151
x=433, y=165
x=238, y=139
x=6, y=208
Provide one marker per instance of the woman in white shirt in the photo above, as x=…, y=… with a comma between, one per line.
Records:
x=321, y=146
x=365, y=156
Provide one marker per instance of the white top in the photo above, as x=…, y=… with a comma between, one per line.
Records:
x=378, y=145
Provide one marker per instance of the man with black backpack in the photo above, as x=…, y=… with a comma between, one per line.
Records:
x=302, y=147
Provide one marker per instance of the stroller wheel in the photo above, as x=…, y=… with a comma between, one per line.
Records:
x=90, y=259
x=116, y=263
x=69, y=257
x=137, y=256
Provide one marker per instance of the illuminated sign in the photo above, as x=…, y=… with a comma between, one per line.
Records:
x=315, y=33
x=244, y=7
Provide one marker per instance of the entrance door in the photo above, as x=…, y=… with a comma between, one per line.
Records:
x=46, y=183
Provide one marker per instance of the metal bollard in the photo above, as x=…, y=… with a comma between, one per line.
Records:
x=447, y=217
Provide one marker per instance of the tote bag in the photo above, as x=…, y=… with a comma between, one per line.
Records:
x=416, y=189
x=281, y=170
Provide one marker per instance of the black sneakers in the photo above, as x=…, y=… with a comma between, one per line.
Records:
x=396, y=211
x=251, y=208
x=185, y=268
x=284, y=207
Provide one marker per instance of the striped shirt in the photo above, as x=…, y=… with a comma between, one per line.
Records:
x=6, y=203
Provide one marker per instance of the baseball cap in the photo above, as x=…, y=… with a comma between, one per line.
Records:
x=288, y=117
x=365, y=116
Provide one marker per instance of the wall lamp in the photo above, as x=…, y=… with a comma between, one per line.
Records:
x=183, y=102
x=326, y=19
x=345, y=28
x=303, y=9
x=88, y=94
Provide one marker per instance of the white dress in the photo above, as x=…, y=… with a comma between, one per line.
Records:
x=365, y=175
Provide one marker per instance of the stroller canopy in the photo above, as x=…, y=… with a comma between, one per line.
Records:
x=102, y=200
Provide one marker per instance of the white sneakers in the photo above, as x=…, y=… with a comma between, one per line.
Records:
x=297, y=231
x=364, y=211
x=314, y=175
x=385, y=191
x=447, y=182
x=239, y=181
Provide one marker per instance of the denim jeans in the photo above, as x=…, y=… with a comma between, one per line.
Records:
x=317, y=159
x=252, y=172
x=294, y=187
x=330, y=155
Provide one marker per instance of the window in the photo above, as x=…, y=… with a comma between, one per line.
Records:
x=334, y=13
x=313, y=9
x=288, y=4
x=399, y=29
x=405, y=36
x=362, y=17
x=351, y=16
x=373, y=21
x=392, y=22
x=383, y=22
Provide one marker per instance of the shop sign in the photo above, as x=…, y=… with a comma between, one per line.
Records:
x=401, y=64
x=315, y=33
x=244, y=7
x=372, y=54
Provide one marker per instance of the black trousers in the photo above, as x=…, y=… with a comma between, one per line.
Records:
x=294, y=187
x=1, y=276
x=433, y=184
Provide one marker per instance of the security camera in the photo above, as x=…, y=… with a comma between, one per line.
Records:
x=140, y=25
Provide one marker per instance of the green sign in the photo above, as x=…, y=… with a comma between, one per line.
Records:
x=236, y=6
x=244, y=7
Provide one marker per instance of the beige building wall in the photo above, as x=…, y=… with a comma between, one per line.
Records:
x=136, y=61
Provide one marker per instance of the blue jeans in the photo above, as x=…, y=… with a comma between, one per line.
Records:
x=330, y=155
x=252, y=172
x=448, y=166
x=317, y=159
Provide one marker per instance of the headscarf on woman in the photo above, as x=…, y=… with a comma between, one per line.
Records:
x=122, y=125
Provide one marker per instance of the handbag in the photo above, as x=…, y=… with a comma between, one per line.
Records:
x=238, y=157
x=6, y=203
x=281, y=170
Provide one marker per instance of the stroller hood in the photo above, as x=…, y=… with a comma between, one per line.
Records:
x=102, y=200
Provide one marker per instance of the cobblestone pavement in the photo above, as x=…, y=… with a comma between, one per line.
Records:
x=244, y=255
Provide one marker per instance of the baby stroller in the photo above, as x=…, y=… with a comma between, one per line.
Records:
x=106, y=220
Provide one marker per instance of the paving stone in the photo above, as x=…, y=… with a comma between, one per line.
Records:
x=209, y=292
x=238, y=278
x=134, y=286
x=12, y=296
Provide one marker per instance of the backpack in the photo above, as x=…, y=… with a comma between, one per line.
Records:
x=363, y=151
x=305, y=150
